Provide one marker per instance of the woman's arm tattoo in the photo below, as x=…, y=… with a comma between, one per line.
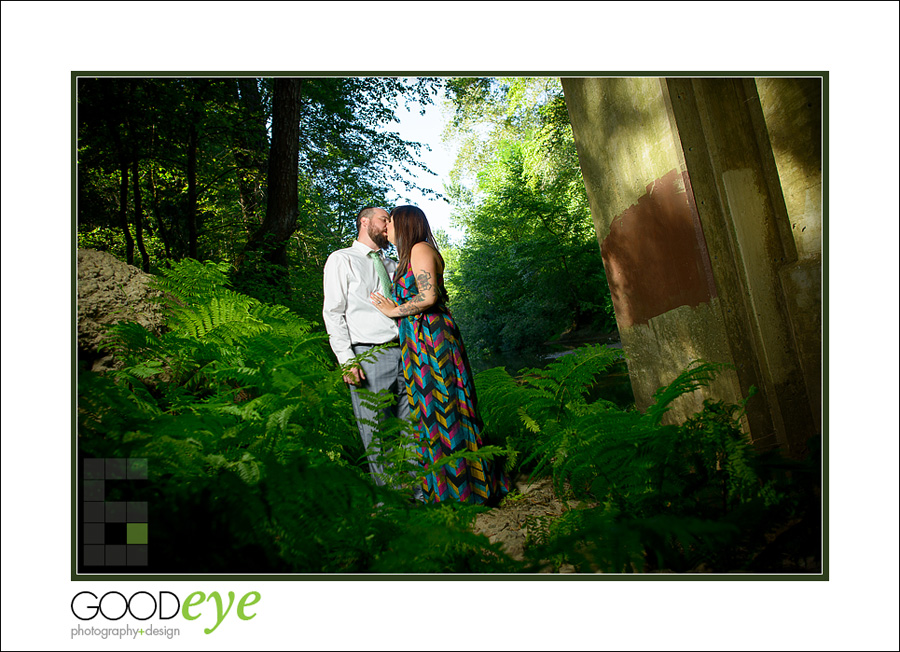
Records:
x=423, y=281
x=414, y=305
x=410, y=307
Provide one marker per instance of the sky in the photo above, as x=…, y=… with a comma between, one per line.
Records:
x=427, y=129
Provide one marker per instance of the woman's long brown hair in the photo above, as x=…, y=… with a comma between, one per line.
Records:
x=410, y=227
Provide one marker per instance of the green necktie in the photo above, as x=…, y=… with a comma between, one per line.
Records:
x=382, y=273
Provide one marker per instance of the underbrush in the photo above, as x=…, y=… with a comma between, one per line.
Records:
x=254, y=459
x=255, y=463
x=652, y=496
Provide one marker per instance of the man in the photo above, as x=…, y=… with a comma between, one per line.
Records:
x=354, y=325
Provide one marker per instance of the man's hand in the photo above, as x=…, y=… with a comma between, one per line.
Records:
x=354, y=376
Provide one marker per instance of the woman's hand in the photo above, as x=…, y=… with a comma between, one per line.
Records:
x=427, y=264
x=385, y=305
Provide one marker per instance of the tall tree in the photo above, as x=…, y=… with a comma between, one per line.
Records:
x=281, y=206
x=347, y=155
x=139, y=215
x=251, y=146
x=220, y=185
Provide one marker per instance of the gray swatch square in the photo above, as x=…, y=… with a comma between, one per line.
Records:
x=137, y=555
x=136, y=512
x=115, y=512
x=115, y=555
x=115, y=468
x=94, y=512
x=93, y=555
x=94, y=490
x=137, y=468
x=94, y=533
x=93, y=469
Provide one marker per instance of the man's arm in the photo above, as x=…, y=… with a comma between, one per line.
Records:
x=334, y=313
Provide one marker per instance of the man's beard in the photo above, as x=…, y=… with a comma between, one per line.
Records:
x=379, y=238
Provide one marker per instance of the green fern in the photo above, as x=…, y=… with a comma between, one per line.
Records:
x=190, y=281
x=652, y=496
x=252, y=445
x=697, y=374
x=516, y=410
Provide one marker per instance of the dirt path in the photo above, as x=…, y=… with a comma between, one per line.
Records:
x=508, y=524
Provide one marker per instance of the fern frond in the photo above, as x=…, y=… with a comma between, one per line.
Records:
x=278, y=420
x=483, y=453
x=697, y=374
x=223, y=317
x=127, y=338
x=530, y=424
x=189, y=281
x=575, y=373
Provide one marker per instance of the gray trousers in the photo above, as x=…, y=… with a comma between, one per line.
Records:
x=384, y=373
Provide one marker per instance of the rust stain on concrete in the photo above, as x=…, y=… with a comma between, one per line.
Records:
x=655, y=254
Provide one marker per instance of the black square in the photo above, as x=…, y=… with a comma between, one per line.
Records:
x=115, y=555
x=94, y=533
x=136, y=512
x=93, y=469
x=137, y=555
x=115, y=512
x=93, y=555
x=94, y=512
x=94, y=490
x=115, y=534
x=115, y=468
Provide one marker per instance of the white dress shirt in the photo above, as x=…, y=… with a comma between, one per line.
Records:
x=350, y=318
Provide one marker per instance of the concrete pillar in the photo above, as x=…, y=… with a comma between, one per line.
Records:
x=696, y=240
x=792, y=108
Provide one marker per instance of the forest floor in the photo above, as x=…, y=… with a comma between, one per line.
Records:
x=790, y=546
x=508, y=524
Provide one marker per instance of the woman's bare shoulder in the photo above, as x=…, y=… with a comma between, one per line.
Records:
x=425, y=251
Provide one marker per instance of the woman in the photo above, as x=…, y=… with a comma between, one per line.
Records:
x=438, y=376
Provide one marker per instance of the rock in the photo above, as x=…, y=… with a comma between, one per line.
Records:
x=110, y=291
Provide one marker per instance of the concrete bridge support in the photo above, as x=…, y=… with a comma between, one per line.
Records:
x=705, y=195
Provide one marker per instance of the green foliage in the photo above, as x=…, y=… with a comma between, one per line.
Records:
x=441, y=541
x=255, y=463
x=518, y=193
x=201, y=147
x=518, y=412
x=254, y=455
x=650, y=495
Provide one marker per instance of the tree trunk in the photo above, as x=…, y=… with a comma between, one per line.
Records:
x=250, y=153
x=154, y=205
x=282, y=202
x=139, y=217
x=123, y=212
x=192, y=191
x=123, y=188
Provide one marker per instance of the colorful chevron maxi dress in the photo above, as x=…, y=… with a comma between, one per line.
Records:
x=442, y=400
